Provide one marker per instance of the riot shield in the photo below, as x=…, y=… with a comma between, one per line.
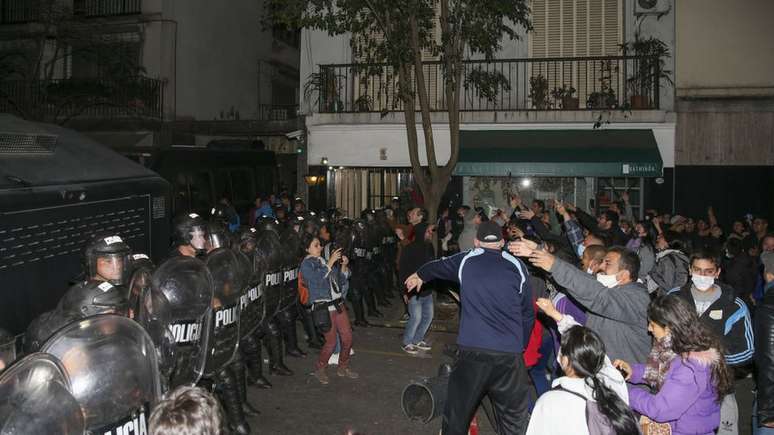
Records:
x=228, y=283
x=252, y=303
x=111, y=363
x=35, y=398
x=268, y=253
x=186, y=284
x=291, y=245
x=153, y=315
x=7, y=349
x=139, y=282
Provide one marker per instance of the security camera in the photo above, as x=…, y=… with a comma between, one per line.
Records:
x=295, y=134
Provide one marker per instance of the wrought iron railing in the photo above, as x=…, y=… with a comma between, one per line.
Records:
x=567, y=83
x=277, y=112
x=17, y=11
x=98, y=98
x=106, y=8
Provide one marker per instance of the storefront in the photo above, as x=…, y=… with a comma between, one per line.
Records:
x=589, y=168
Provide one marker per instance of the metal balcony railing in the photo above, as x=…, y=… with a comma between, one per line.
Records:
x=566, y=83
x=17, y=11
x=97, y=98
x=277, y=112
x=106, y=8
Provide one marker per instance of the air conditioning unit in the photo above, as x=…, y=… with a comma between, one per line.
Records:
x=655, y=7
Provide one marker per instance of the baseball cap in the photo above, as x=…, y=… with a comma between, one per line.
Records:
x=489, y=232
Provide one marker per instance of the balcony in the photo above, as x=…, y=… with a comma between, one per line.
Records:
x=98, y=98
x=568, y=83
x=106, y=8
x=17, y=11
x=277, y=112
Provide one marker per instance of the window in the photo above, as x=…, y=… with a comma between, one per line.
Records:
x=577, y=28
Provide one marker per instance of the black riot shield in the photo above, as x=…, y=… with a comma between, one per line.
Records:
x=111, y=363
x=186, y=284
x=252, y=303
x=152, y=314
x=228, y=284
x=36, y=398
x=139, y=282
x=291, y=246
x=7, y=349
x=268, y=254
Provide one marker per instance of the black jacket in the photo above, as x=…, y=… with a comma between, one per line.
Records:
x=729, y=318
x=414, y=255
x=764, y=357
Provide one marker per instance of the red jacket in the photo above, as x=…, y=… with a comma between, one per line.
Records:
x=532, y=352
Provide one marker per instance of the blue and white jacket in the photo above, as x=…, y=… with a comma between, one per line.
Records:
x=730, y=319
x=495, y=295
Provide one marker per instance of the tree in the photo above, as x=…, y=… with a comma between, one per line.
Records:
x=396, y=33
x=36, y=84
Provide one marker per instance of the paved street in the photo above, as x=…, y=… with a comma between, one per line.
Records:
x=371, y=405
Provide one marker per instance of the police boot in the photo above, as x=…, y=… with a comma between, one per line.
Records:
x=313, y=340
x=370, y=300
x=289, y=333
x=357, y=307
x=273, y=344
x=227, y=391
x=238, y=367
x=251, y=349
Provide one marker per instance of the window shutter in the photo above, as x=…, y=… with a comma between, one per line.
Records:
x=575, y=28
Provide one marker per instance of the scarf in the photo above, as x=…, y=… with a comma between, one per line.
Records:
x=659, y=360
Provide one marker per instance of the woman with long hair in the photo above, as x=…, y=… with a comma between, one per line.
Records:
x=326, y=283
x=686, y=371
x=589, y=376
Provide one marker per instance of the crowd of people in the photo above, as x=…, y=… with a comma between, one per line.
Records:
x=622, y=326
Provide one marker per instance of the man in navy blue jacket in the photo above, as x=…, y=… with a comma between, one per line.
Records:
x=495, y=324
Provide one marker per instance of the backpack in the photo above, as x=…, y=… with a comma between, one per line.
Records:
x=597, y=423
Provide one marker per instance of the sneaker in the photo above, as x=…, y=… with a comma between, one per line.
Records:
x=346, y=373
x=422, y=345
x=334, y=359
x=410, y=349
x=321, y=376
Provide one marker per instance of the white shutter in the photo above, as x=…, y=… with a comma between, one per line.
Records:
x=575, y=28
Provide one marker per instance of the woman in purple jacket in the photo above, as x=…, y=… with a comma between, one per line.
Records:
x=685, y=370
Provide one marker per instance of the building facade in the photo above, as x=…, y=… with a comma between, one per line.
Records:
x=581, y=120
x=724, y=146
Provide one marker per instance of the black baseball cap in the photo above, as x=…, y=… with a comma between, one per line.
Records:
x=489, y=232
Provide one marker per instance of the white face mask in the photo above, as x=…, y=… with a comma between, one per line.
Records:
x=702, y=282
x=608, y=281
x=590, y=271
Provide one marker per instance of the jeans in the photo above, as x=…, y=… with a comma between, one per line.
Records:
x=757, y=430
x=420, y=311
x=538, y=372
x=339, y=325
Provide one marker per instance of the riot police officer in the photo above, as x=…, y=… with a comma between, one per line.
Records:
x=189, y=235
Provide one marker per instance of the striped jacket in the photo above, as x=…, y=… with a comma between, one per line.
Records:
x=730, y=319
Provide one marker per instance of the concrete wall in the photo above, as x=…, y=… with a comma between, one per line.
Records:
x=724, y=45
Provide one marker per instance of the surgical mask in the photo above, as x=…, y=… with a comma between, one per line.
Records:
x=590, y=271
x=581, y=250
x=702, y=282
x=608, y=281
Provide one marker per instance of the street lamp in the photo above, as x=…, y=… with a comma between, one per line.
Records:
x=314, y=180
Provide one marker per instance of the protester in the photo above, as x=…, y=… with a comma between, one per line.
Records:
x=186, y=411
x=589, y=376
x=615, y=302
x=420, y=304
x=671, y=269
x=685, y=369
x=763, y=410
x=326, y=283
x=496, y=319
x=471, y=221
x=727, y=317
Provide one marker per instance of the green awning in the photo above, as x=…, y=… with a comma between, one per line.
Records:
x=559, y=153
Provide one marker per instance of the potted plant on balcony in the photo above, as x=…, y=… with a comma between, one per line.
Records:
x=325, y=86
x=565, y=94
x=649, y=69
x=538, y=92
x=604, y=97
